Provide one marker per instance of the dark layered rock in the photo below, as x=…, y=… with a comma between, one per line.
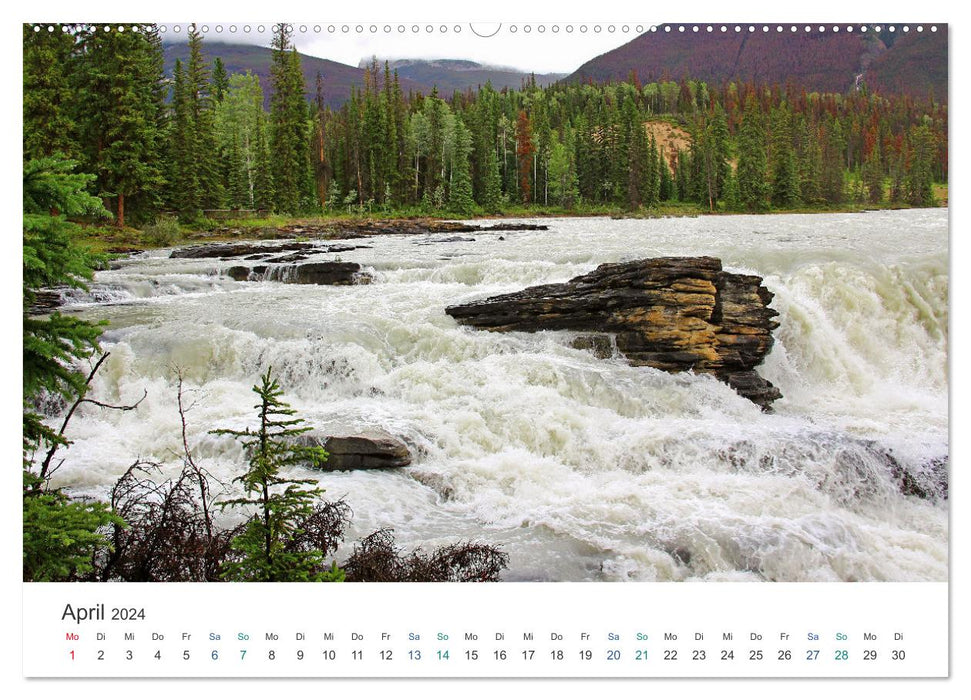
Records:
x=235, y=250
x=331, y=273
x=251, y=250
x=674, y=314
x=45, y=301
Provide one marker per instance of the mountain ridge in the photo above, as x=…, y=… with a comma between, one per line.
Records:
x=912, y=63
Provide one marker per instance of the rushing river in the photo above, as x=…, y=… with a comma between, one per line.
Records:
x=580, y=468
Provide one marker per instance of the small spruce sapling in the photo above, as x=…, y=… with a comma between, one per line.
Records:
x=269, y=548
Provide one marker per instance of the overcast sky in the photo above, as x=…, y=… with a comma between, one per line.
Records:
x=542, y=48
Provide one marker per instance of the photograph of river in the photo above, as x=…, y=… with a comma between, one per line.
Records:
x=409, y=303
x=583, y=468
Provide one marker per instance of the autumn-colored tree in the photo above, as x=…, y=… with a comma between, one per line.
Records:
x=524, y=155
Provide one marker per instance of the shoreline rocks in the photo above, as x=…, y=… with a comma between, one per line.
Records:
x=675, y=314
x=339, y=229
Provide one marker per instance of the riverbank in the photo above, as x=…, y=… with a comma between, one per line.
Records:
x=118, y=241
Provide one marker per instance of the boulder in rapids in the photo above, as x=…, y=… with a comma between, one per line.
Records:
x=675, y=314
x=370, y=449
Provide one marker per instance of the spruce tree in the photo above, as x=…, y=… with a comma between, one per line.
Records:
x=832, y=187
x=753, y=187
x=288, y=125
x=204, y=148
x=237, y=181
x=460, y=192
x=785, y=173
x=184, y=188
x=263, y=190
x=60, y=536
x=873, y=174
x=220, y=80
x=121, y=126
x=638, y=155
x=270, y=546
x=919, y=182
x=49, y=100
x=492, y=197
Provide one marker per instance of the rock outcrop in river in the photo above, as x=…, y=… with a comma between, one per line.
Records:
x=305, y=273
x=674, y=314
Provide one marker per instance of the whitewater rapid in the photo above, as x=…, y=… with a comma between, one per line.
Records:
x=580, y=468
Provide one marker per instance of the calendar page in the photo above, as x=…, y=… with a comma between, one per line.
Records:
x=417, y=348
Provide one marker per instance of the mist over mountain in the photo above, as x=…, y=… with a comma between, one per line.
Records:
x=456, y=75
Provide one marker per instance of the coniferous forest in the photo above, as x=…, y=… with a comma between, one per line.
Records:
x=108, y=136
x=201, y=140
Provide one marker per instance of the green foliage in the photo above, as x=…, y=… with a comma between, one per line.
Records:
x=753, y=186
x=100, y=97
x=785, y=173
x=51, y=192
x=163, y=232
x=873, y=175
x=61, y=536
x=919, y=178
x=122, y=121
x=289, y=137
x=460, y=193
x=49, y=125
x=268, y=548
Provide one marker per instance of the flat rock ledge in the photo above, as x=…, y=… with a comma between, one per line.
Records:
x=675, y=314
x=336, y=273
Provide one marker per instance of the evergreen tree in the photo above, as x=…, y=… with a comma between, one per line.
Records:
x=460, y=192
x=60, y=536
x=270, y=547
x=730, y=195
x=49, y=61
x=52, y=192
x=204, y=149
x=434, y=150
x=639, y=166
x=785, y=173
x=184, y=188
x=121, y=129
x=898, y=174
x=237, y=181
x=919, y=176
x=873, y=175
x=751, y=172
x=832, y=179
x=288, y=125
x=263, y=189
x=810, y=166
x=220, y=80
x=492, y=197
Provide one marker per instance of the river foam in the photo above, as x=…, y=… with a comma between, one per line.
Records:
x=581, y=468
